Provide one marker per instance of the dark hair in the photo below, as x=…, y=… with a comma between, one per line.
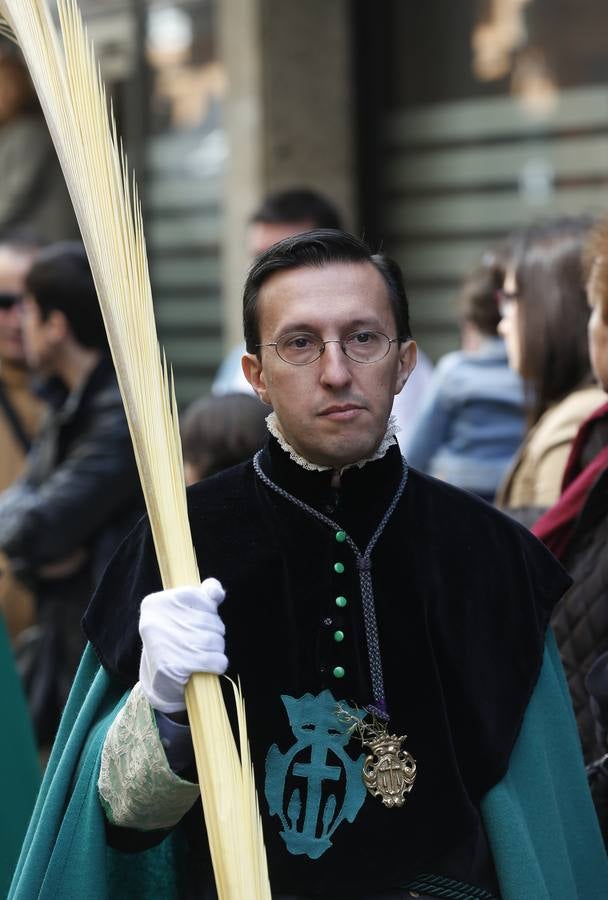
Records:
x=298, y=205
x=60, y=279
x=221, y=431
x=553, y=311
x=595, y=263
x=478, y=297
x=314, y=249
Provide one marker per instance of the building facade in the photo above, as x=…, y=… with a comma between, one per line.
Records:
x=438, y=128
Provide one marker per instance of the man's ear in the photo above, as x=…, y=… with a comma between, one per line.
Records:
x=254, y=373
x=408, y=354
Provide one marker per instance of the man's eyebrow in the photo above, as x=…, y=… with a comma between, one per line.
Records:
x=351, y=325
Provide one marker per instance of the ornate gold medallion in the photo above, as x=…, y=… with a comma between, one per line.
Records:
x=389, y=771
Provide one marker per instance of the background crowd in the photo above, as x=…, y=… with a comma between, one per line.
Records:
x=517, y=415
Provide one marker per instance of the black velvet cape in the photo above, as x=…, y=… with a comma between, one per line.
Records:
x=463, y=596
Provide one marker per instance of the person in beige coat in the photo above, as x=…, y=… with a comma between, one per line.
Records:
x=544, y=322
x=21, y=412
x=20, y=409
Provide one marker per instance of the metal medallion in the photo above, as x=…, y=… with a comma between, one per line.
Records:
x=389, y=771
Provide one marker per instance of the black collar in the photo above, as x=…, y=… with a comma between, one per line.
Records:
x=369, y=488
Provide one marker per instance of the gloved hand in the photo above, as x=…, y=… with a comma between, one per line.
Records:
x=182, y=633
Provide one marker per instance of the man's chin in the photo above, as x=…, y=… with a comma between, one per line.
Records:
x=341, y=455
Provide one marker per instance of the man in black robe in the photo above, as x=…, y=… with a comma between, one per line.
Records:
x=363, y=602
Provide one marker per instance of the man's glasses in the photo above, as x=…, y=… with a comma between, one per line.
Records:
x=8, y=300
x=301, y=349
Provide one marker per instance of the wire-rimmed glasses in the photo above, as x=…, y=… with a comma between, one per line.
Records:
x=300, y=348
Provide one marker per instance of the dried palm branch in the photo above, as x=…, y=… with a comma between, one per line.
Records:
x=67, y=80
x=6, y=31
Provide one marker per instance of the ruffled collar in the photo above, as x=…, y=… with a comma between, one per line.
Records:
x=386, y=443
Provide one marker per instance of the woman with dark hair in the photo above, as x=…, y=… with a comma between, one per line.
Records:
x=576, y=531
x=544, y=322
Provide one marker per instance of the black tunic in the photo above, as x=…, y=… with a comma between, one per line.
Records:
x=463, y=596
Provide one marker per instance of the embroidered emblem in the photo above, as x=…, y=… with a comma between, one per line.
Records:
x=315, y=785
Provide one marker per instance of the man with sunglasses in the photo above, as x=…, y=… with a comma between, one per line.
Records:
x=406, y=723
x=78, y=495
x=20, y=408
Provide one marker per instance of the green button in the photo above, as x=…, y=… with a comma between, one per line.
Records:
x=340, y=536
x=339, y=672
x=338, y=636
x=339, y=568
x=341, y=601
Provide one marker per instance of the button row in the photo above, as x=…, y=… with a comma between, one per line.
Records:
x=339, y=671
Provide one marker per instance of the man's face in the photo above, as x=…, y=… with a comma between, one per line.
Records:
x=263, y=235
x=332, y=411
x=13, y=267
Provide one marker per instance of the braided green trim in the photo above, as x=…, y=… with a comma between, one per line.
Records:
x=437, y=886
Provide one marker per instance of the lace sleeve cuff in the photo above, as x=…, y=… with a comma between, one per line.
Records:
x=136, y=786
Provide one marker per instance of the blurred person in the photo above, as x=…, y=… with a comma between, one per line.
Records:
x=33, y=193
x=20, y=415
x=544, y=322
x=79, y=493
x=576, y=530
x=471, y=420
x=281, y=214
x=291, y=211
x=362, y=602
x=219, y=432
x=20, y=408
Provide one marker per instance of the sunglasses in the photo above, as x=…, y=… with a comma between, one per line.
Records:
x=7, y=300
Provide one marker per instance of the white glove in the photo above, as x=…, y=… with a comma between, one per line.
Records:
x=182, y=633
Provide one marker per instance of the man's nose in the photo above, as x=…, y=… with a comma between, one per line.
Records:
x=335, y=366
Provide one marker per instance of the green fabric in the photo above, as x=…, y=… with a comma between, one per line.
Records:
x=540, y=819
x=64, y=853
x=19, y=765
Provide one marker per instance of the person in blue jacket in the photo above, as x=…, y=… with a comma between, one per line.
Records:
x=472, y=418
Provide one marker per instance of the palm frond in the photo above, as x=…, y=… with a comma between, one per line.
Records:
x=71, y=92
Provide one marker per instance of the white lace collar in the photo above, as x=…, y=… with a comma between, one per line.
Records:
x=387, y=441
